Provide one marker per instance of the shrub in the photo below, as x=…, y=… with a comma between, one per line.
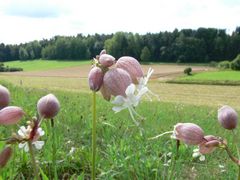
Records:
x=9, y=69
x=188, y=71
x=213, y=64
x=224, y=64
x=235, y=65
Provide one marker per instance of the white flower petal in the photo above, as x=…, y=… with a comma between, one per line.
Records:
x=26, y=148
x=195, y=155
x=118, y=100
x=202, y=158
x=196, y=150
x=22, y=131
x=21, y=145
x=117, y=109
x=38, y=144
x=130, y=89
x=41, y=132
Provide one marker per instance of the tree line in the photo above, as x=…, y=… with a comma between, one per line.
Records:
x=198, y=46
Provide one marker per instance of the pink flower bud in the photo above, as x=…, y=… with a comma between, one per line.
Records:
x=209, y=144
x=227, y=117
x=106, y=60
x=116, y=81
x=189, y=133
x=48, y=106
x=4, y=97
x=10, y=115
x=95, y=78
x=106, y=95
x=5, y=155
x=132, y=66
x=103, y=52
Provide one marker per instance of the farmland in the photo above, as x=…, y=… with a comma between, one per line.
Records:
x=122, y=152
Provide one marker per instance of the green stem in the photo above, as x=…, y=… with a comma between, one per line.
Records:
x=94, y=136
x=34, y=164
x=235, y=140
x=54, y=150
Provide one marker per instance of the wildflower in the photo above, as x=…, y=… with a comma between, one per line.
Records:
x=5, y=155
x=142, y=83
x=95, y=78
x=10, y=115
x=26, y=135
x=189, y=133
x=209, y=144
x=129, y=101
x=196, y=153
x=116, y=81
x=106, y=60
x=132, y=66
x=48, y=106
x=4, y=97
x=227, y=117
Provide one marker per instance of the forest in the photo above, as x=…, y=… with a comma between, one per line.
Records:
x=182, y=46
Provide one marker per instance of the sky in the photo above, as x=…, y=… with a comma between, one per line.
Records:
x=27, y=20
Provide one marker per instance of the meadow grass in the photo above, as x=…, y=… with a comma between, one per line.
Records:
x=214, y=77
x=38, y=65
x=121, y=152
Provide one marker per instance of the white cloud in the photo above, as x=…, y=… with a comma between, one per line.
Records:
x=26, y=20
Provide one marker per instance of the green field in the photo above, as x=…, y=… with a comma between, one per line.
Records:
x=122, y=152
x=214, y=77
x=38, y=65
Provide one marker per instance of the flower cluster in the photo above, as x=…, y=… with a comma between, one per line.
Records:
x=192, y=134
x=122, y=79
x=47, y=107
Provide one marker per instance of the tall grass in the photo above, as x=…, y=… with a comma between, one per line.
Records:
x=122, y=152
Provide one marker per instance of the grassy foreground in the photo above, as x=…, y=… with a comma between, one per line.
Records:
x=37, y=65
x=215, y=77
x=121, y=152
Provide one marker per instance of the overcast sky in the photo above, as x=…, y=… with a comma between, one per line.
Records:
x=27, y=20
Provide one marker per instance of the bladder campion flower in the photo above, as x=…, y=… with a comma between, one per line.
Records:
x=227, y=117
x=189, y=133
x=132, y=66
x=5, y=155
x=31, y=133
x=48, y=106
x=95, y=78
x=4, y=97
x=10, y=115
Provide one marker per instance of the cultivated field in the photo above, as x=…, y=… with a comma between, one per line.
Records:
x=122, y=153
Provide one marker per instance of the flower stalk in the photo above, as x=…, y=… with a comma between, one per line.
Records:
x=54, y=150
x=94, y=134
x=34, y=164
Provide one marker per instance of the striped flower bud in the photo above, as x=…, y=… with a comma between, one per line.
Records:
x=4, y=97
x=106, y=60
x=106, y=95
x=189, y=133
x=209, y=144
x=48, y=106
x=103, y=52
x=132, y=66
x=227, y=117
x=95, y=78
x=10, y=115
x=5, y=155
x=116, y=81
